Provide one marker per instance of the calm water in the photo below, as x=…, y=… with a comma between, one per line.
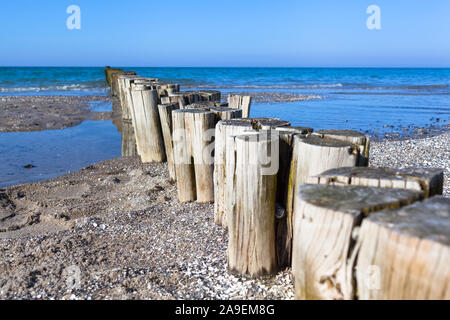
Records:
x=371, y=100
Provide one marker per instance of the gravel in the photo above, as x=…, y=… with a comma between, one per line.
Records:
x=430, y=152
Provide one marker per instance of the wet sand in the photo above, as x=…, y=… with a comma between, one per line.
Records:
x=35, y=113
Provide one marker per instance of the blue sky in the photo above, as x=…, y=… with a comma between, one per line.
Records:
x=414, y=33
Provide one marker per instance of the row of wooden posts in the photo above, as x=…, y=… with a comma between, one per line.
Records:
x=294, y=197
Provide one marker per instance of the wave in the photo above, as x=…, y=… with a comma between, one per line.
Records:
x=287, y=86
x=62, y=87
x=399, y=87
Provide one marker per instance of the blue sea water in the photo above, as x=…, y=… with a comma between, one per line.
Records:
x=373, y=100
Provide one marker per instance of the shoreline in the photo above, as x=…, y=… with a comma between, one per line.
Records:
x=120, y=223
x=37, y=113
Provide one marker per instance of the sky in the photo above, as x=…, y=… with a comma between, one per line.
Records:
x=226, y=33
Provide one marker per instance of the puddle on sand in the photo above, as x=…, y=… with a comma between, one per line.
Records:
x=56, y=152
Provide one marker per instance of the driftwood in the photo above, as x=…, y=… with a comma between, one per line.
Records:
x=225, y=129
x=147, y=126
x=405, y=253
x=236, y=101
x=326, y=224
x=193, y=132
x=251, y=206
x=428, y=180
x=165, y=116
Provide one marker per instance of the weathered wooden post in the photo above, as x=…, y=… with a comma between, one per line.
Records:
x=326, y=224
x=283, y=226
x=354, y=137
x=312, y=154
x=193, y=132
x=182, y=157
x=128, y=139
x=115, y=80
x=125, y=83
x=175, y=97
x=224, y=113
x=428, y=180
x=251, y=218
x=200, y=125
x=225, y=129
x=108, y=72
x=405, y=253
x=147, y=126
x=236, y=101
x=165, y=115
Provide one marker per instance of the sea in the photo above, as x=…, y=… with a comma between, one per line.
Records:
x=377, y=101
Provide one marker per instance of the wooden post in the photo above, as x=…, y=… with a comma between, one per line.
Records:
x=128, y=139
x=312, y=154
x=165, y=115
x=404, y=254
x=184, y=169
x=115, y=80
x=193, y=132
x=200, y=125
x=236, y=101
x=326, y=224
x=428, y=180
x=174, y=97
x=251, y=222
x=282, y=225
x=225, y=129
x=125, y=83
x=355, y=137
x=147, y=126
x=224, y=113
x=108, y=72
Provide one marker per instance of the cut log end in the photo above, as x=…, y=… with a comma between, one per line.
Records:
x=326, y=223
x=405, y=253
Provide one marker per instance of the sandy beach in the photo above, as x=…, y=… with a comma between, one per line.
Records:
x=119, y=227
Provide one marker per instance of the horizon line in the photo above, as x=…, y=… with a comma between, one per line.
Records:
x=232, y=67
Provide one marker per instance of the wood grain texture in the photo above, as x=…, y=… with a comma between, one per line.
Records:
x=224, y=129
x=200, y=127
x=236, y=101
x=357, y=138
x=129, y=148
x=405, y=253
x=184, y=168
x=311, y=155
x=326, y=224
x=165, y=116
x=147, y=125
x=428, y=180
x=283, y=235
x=251, y=218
